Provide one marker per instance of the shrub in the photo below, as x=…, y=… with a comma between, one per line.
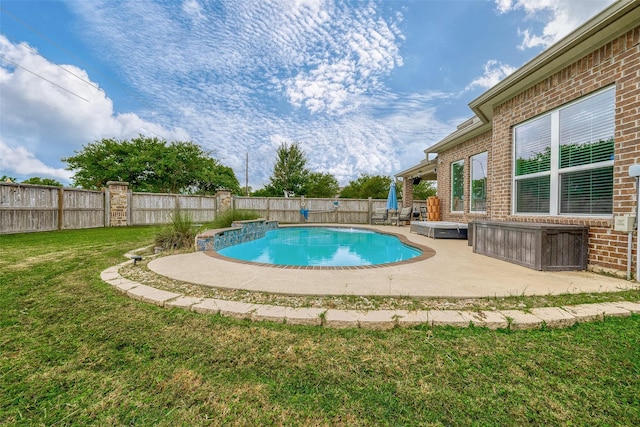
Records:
x=179, y=234
x=226, y=218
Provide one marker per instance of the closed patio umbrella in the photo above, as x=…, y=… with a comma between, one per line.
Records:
x=392, y=200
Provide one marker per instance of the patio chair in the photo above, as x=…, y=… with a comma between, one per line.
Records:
x=404, y=215
x=379, y=216
x=423, y=213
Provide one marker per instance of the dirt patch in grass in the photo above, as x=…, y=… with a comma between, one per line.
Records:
x=29, y=262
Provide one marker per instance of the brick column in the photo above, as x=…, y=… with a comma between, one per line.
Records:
x=407, y=192
x=118, y=203
x=224, y=200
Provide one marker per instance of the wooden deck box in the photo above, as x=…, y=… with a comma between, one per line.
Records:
x=545, y=247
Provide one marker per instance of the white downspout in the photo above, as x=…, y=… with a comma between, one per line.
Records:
x=637, y=229
x=634, y=171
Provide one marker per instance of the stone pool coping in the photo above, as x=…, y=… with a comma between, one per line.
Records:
x=552, y=317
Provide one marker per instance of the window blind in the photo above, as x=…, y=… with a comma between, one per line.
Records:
x=586, y=131
x=533, y=148
x=587, y=192
x=573, y=148
x=533, y=195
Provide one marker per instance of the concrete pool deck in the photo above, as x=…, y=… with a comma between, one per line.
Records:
x=454, y=272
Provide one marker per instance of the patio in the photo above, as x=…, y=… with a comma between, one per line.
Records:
x=454, y=272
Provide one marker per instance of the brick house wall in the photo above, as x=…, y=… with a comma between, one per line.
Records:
x=615, y=63
x=407, y=193
x=464, y=152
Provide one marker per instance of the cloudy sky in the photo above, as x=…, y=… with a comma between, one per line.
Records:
x=362, y=86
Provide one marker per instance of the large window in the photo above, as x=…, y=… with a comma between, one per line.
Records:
x=457, y=186
x=478, y=180
x=564, y=159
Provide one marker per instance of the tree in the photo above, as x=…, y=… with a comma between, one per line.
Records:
x=214, y=177
x=36, y=180
x=321, y=185
x=423, y=190
x=265, y=191
x=6, y=178
x=289, y=172
x=291, y=175
x=376, y=187
x=150, y=165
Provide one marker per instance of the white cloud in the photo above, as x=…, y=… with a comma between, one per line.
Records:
x=494, y=72
x=504, y=6
x=559, y=18
x=239, y=77
x=327, y=87
x=193, y=9
x=22, y=162
x=257, y=70
x=52, y=110
x=358, y=53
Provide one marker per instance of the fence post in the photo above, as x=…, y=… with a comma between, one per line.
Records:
x=60, y=208
x=130, y=207
x=107, y=206
x=268, y=208
x=118, y=203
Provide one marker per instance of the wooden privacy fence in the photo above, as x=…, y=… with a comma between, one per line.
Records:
x=150, y=208
x=25, y=208
x=29, y=208
x=339, y=211
x=292, y=209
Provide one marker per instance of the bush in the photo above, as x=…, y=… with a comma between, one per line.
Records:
x=226, y=218
x=179, y=234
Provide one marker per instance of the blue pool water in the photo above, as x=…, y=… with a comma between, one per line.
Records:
x=322, y=247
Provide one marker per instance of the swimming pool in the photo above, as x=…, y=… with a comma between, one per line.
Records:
x=322, y=247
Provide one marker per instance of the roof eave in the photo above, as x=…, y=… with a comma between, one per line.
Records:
x=459, y=136
x=425, y=169
x=600, y=29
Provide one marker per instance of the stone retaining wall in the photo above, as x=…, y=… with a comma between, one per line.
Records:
x=240, y=232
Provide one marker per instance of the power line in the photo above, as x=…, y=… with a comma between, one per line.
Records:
x=27, y=26
x=30, y=28
x=93, y=85
x=43, y=78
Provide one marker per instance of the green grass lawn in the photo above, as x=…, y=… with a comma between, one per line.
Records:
x=74, y=351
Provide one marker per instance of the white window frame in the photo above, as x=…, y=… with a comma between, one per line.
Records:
x=472, y=173
x=461, y=163
x=555, y=172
